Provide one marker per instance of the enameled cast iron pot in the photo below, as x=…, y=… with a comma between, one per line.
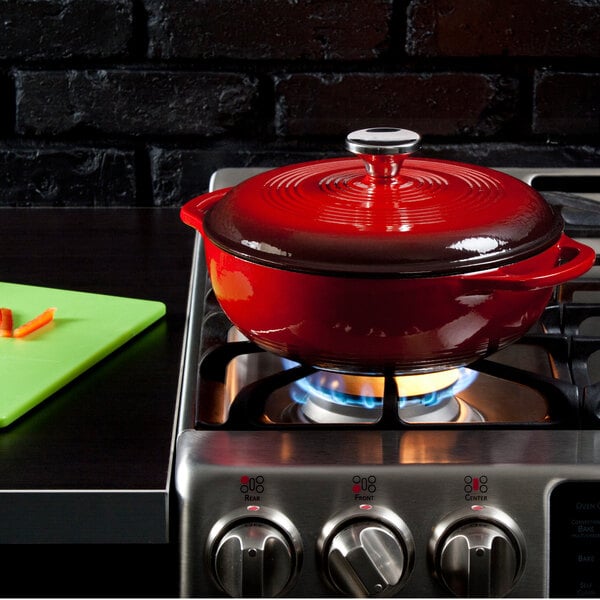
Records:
x=412, y=265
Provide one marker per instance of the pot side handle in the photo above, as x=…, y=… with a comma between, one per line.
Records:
x=574, y=260
x=193, y=212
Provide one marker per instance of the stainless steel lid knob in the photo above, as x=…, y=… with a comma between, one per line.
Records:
x=383, y=149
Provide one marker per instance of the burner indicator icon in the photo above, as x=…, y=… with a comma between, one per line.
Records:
x=363, y=488
x=475, y=488
x=252, y=484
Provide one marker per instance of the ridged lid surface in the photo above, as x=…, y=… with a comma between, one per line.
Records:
x=400, y=215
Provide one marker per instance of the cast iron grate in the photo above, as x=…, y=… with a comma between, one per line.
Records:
x=573, y=400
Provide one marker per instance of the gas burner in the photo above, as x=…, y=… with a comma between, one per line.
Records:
x=326, y=397
x=263, y=390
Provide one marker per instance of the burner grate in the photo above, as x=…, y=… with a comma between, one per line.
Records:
x=573, y=400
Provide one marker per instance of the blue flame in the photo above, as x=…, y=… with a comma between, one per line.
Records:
x=465, y=378
x=304, y=389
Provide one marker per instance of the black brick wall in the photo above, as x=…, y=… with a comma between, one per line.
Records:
x=136, y=102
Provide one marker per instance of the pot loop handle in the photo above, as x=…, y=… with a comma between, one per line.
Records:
x=383, y=149
x=574, y=260
x=193, y=212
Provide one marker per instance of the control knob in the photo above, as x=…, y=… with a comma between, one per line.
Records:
x=255, y=557
x=479, y=553
x=367, y=555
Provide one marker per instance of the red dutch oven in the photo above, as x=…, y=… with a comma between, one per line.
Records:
x=383, y=262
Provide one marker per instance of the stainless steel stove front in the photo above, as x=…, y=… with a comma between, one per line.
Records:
x=517, y=512
x=408, y=512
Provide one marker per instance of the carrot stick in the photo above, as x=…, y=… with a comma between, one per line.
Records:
x=6, y=322
x=33, y=325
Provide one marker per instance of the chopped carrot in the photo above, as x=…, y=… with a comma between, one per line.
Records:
x=6, y=322
x=33, y=325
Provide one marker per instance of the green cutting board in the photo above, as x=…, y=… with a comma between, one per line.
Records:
x=86, y=328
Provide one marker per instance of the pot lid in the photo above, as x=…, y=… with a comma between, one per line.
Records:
x=383, y=213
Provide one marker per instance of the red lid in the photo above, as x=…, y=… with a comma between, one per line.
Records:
x=401, y=216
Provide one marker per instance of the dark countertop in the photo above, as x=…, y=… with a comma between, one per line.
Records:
x=92, y=463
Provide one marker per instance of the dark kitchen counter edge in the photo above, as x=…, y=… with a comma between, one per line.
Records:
x=92, y=463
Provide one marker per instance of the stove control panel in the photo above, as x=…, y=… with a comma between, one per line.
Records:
x=422, y=527
x=366, y=553
x=479, y=551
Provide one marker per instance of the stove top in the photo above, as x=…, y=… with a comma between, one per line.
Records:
x=286, y=474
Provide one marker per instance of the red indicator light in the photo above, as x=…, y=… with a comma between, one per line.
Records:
x=365, y=506
x=477, y=507
x=244, y=479
x=476, y=484
x=356, y=488
x=253, y=508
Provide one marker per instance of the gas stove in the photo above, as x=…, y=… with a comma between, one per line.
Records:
x=483, y=481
